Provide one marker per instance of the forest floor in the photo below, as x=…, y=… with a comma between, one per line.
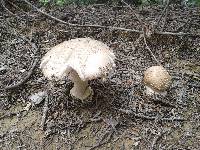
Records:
x=121, y=116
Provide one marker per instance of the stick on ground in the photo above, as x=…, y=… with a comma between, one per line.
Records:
x=25, y=79
x=45, y=110
x=107, y=27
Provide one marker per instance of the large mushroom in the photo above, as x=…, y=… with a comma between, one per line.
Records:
x=80, y=59
x=157, y=80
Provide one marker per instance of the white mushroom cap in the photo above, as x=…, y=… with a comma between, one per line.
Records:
x=157, y=79
x=89, y=58
x=80, y=59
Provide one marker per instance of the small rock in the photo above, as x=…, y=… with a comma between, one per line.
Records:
x=22, y=70
x=3, y=69
x=136, y=143
x=38, y=97
x=28, y=106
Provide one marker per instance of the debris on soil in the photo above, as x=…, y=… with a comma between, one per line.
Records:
x=38, y=97
x=121, y=115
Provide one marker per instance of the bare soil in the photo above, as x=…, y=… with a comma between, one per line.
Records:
x=121, y=116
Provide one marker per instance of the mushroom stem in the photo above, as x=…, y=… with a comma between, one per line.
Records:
x=81, y=89
x=150, y=91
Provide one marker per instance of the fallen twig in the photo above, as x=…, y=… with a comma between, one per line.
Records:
x=148, y=48
x=176, y=33
x=24, y=80
x=45, y=110
x=165, y=19
x=165, y=10
x=78, y=25
x=107, y=27
x=11, y=87
x=145, y=30
x=15, y=6
x=3, y=4
x=187, y=22
x=135, y=14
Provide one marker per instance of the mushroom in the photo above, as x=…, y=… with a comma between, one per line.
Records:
x=80, y=59
x=157, y=80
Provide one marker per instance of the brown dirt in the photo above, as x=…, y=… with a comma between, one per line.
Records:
x=104, y=123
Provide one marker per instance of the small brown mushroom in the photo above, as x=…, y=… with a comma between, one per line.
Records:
x=80, y=59
x=157, y=80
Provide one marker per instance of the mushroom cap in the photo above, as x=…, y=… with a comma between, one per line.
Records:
x=157, y=78
x=88, y=57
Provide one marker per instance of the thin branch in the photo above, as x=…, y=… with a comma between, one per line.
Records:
x=135, y=14
x=148, y=48
x=106, y=27
x=162, y=14
x=16, y=7
x=144, y=33
x=176, y=33
x=165, y=19
x=78, y=25
x=11, y=87
x=45, y=110
x=3, y=4
x=187, y=22
x=25, y=79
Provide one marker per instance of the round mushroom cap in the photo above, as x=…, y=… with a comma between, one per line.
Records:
x=88, y=57
x=157, y=78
